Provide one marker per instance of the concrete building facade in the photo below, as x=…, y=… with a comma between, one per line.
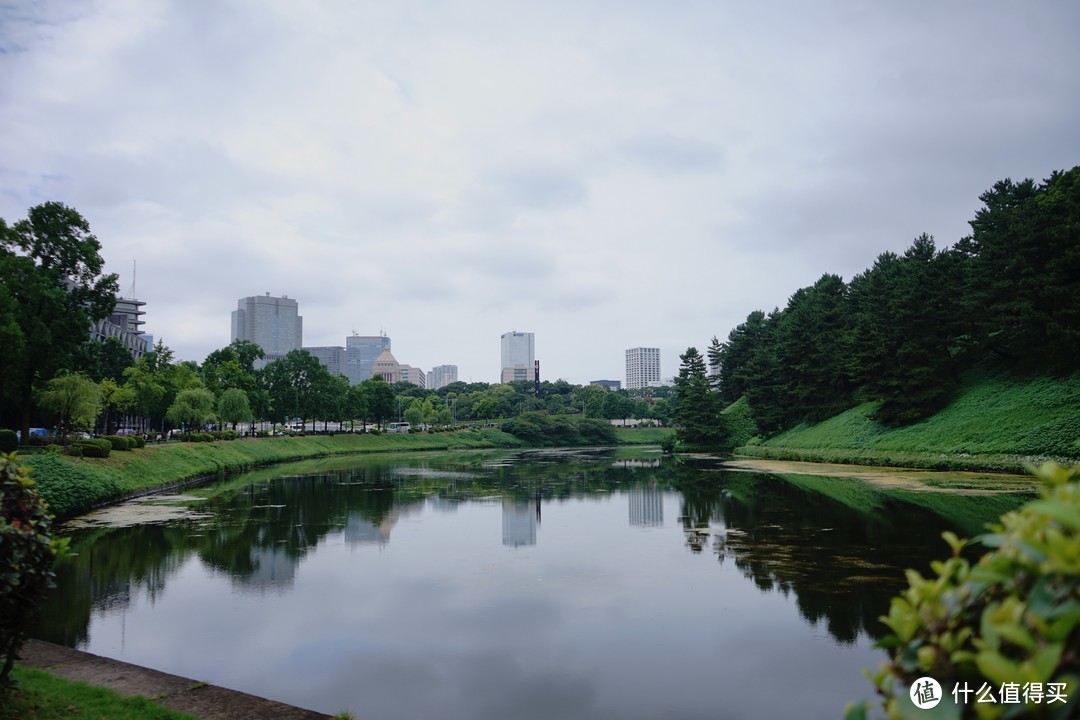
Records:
x=387, y=367
x=441, y=376
x=642, y=368
x=272, y=323
x=413, y=375
x=331, y=356
x=518, y=356
x=124, y=325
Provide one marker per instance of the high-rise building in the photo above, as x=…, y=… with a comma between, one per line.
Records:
x=361, y=352
x=413, y=375
x=332, y=356
x=123, y=325
x=642, y=367
x=518, y=356
x=272, y=323
x=441, y=376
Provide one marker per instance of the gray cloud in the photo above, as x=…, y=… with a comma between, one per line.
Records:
x=451, y=172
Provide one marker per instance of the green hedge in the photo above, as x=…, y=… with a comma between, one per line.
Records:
x=118, y=442
x=92, y=448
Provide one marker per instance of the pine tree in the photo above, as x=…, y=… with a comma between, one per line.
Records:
x=697, y=410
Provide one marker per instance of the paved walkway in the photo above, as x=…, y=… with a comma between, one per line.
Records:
x=172, y=691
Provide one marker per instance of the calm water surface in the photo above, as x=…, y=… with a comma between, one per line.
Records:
x=564, y=585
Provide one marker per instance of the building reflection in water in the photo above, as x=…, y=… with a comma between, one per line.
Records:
x=274, y=568
x=519, y=521
x=360, y=531
x=646, y=505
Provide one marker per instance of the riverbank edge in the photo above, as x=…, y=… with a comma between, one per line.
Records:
x=73, y=486
x=156, y=468
x=965, y=462
x=200, y=699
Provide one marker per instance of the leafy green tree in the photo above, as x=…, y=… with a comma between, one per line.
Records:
x=616, y=405
x=297, y=385
x=115, y=400
x=156, y=381
x=698, y=413
x=590, y=399
x=193, y=408
x=380, y=399
x=106, y=358
x=75, y=399
x=54, y=288
x=27, y=552
x=234, y=407
x=414, y=414
x=356, y=405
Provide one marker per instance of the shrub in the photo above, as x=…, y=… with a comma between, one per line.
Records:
x=9, y=441
x=1012, y=617
x=26, y=556
x=118, y=442
x=137, y=441
x=92, y=447
x=53, y=448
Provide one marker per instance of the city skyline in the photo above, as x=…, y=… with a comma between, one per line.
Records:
x=442, y=173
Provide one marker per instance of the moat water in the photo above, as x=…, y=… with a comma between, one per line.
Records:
x=572, y=585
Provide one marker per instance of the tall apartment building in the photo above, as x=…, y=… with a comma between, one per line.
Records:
x=518, y=356
x=441, y=376
x=272, y=323
x=642, y=367
x=361, y=352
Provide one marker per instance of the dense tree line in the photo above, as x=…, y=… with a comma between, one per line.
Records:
x=903, y=331
x=54, y=287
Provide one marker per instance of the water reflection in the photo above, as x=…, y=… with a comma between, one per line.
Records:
x=556, y=627
x=646, y=504
x=520, y=519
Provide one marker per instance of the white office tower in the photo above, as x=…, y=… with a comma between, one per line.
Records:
x=441, y=376
x=642, y=368
x=518, y=356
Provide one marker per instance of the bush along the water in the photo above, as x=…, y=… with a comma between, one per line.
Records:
x=27, y=552
x=1000, y=636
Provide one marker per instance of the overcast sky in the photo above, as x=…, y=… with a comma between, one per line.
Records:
x=605, y=175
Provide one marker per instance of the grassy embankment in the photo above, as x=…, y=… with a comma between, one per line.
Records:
x=42, y=696
x=997, y=423
x=74, y=485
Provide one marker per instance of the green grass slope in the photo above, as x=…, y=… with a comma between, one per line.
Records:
x=996, y=423
x=74, y=485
